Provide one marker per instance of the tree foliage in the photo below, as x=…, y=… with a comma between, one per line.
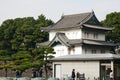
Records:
x=46, y=53
x=113, y=20
x=18, y=38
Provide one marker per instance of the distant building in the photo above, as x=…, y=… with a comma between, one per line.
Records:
x=79, y=43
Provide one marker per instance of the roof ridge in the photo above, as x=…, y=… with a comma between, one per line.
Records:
x=77, y=14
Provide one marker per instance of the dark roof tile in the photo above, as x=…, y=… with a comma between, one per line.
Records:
x=70, y=21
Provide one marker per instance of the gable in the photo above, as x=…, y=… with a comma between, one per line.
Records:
x=56, y=43
x=93, y=21
x=59, y=38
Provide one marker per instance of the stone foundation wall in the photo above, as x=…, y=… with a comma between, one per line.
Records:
x=27, y=73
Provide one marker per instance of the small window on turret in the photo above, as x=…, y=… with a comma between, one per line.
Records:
x=85, y=51
x=86, y=34
x=95, y=36
x=102, y=51
x=93, y=51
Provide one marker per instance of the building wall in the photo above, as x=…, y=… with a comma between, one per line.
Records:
x=51, y=35
x=80, y=34
x=93, y=35
x=99, y=49
x=78, y=50
x=91, y=69
x=71, y=34
x=60, y=50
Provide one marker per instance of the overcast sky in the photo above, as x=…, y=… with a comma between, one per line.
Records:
x=53, y=9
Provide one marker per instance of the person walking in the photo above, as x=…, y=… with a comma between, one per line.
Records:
x=73, y=74
x=78, y=76
x=17, y=74
x=40, y=73
x=111, y=75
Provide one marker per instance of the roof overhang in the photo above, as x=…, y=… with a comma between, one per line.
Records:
x=97, y=27
x=87, y=57
x=100, y=43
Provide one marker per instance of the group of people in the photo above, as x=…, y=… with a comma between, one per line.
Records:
x=78, y=75
x=34, y=73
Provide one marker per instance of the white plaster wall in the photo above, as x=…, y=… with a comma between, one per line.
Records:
x=88, y=51
x=74, y=34
x=71, y=34
x=89, y=68
x=98, y=50
x=101, y=36
x=60, y=50
x=51, y=35
x=78, y=50
x=77, y=34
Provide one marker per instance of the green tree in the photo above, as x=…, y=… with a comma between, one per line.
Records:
x=46, y=53
x=21, y=61
x=5, y=49
x=113, y=20
x=19, y=36
x=5, y=60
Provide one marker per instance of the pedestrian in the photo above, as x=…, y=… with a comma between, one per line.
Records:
x=73, y=74
x=34, y=73
x=17, y=74
x=111, y=75
x=40, y=73
x=78, y=75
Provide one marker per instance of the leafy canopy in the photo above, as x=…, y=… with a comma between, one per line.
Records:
x=18, y=38
x=113, y=20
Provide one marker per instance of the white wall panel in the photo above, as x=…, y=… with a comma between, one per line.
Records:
x=60, y=50
x=71, y=34
x=89, y=68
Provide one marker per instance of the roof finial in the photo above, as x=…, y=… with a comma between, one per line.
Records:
x=92, y=11
x=62, y=15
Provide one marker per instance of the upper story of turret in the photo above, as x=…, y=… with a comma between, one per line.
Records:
x=78, y=26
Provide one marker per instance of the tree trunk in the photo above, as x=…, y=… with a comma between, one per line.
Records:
x=5, y=69
x=20, y=73
x=6, y=72
x=46, y=71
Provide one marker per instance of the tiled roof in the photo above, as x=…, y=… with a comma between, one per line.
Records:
x=91, y=42
x=43, y=43
x=70, y=21
x=96, y=42
x=78, y=57
x=97, y=27
x=76, y=21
